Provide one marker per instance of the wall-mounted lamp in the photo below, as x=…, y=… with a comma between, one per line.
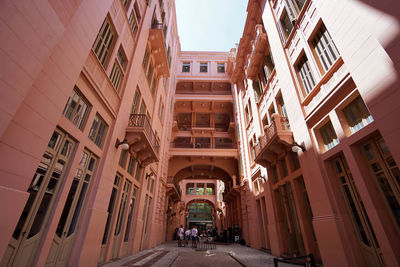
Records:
x=150, y=175
x=296, y=147
x=124, y=144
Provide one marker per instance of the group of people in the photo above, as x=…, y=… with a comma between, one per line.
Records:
x=184, y=235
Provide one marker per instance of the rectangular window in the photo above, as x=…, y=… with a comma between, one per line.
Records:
x=268, y=67
x=126, y=3
x=285, y=25
x=257, y=86
x=146, y=58
x=328, y=135
x=133, y=23
x=104, y=41
x=304, y=71
x=153, y=85
x=150, y=72
x=325, y=48
x=137, y=12
x=76, y=109
x=203, y=67
x=221, y=67
x=281, y=106
x=122, y=158
x=200, y=189
x=186, y=67
x=136, y=100
x=122, y=58
x=138, y=173
x=111, y=206
x=98, y=131
x=116, y=76
x=190, y=189
x=357, y=115
x=161, y=109
x=131, y=165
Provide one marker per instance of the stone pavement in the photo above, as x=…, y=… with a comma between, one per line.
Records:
x=169, y=254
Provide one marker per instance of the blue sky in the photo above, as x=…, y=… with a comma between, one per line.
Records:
x=210, y=25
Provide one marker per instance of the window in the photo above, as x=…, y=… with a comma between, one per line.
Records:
x=130, y=214
x=257, y=86
x=285, y=25
x=136, y=100
x=304, y=71
x=116, y=76
x=284, y=169
x=150, y=72
x=153, y=85
x=126, y=3
x=325, y=48
x=161, y=109
x=138, y=173
x=357, y=115
x=328, y=135
x=281, y=106
x=137, y=12
x=252, y=150
x=200, y=189
x=133, y=23
x=98, y=130
x=268, y=67
x=203, y=67
x=221, y=67
x=76, y=109
x=186, y=67
x=131, y=165
x=146, y=58
x=111, y=206
x=122, y=158
x=122, y=58
x=210, y=189
x=104, y=41
x=190, y=189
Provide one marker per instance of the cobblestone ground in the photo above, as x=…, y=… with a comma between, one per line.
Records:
x=169, y=254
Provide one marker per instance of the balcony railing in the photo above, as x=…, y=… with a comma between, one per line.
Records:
x=141, y=121
x=204, y=145
x=278, y=133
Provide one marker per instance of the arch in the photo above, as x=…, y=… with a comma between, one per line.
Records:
x=203, y=172
x=201, y=200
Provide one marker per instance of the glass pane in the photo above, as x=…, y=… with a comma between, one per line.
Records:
x=67, y=207
x=54, y=140
x=78, y=209
x=129, y=221
x=355, y=215
x=109, y=216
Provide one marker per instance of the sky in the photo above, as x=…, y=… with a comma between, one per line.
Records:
x=210, y=25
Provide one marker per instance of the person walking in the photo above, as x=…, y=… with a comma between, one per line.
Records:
x=194, y=236
x=187, y=236
x=180, y=236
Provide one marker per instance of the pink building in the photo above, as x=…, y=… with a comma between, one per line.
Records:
x=111, y=136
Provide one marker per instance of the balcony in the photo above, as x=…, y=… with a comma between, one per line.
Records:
x=157, y=43
x=257, y=53
x=142, y=141
x=277, y=140
x=173, y=189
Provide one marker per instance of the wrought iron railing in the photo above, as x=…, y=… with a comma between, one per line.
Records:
x=141, y=121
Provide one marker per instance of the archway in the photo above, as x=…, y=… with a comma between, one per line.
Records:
x=201, y=212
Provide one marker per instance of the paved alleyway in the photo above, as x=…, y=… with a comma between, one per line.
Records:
x=169, y=254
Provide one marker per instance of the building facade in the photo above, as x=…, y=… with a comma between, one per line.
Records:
x=313, y=81
x=111, y=136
